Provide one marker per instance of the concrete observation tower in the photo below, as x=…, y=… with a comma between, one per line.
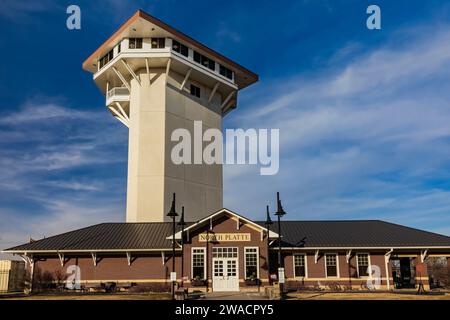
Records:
x=157, y=79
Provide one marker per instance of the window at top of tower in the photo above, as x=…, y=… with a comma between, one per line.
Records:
x=226, y=72
x=135, y=43
x=204, y=61
x=106, y=58
x=180, y=48
x=158, y=43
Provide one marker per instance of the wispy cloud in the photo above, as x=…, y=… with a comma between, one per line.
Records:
x=367, y=138
x=60, y=168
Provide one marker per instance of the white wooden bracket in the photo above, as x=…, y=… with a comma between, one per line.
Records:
x=423, y=255
x=228, y=98
x=129, y=258
x=122, y=111
x=121, y=77
x=185, y=79
x=94, y=258
x=213, y=92
x=61, y=259
x=348, y=256
x=128, y=67
x=316, y=256
x=168, y=69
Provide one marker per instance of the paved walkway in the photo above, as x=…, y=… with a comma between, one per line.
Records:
x=232, y=296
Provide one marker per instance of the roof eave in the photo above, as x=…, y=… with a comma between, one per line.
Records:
x=253, y=77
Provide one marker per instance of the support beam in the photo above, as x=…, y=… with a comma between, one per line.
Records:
x=228, y=98
x=348, y=256
x=423, y=255
x=107, y=87
x=213, y=92
x=168, y=67
x=123, y=122
x=163, y=257
x=237, y=224
x=387, y=257
x=122, y=111
x=121, y=77
x=316, y=256
x=185, y=79
x=61, y=258
x=120, y=117
x=129, y=258
x=128, y=67
x=148, y=72
x=94, y=258
x=187, y=235
x=210, y=224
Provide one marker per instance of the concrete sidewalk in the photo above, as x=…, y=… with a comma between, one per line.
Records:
x=233, y=296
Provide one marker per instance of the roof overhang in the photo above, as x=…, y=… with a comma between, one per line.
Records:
x=140, y=21
x=224, y=211
x=87, y=251
x=370, y=248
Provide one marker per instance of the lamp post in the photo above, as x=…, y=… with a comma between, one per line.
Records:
x=182, y=224
x=280, y=212
x=173, y=214
x=268, y=224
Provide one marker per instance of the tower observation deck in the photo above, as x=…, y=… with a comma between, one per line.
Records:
x=156, y=79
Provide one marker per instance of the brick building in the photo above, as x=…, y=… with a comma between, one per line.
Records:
x=228, y=252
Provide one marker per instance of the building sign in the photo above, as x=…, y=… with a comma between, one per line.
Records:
x=224, y=237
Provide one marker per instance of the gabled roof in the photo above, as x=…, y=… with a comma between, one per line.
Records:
x=356, y=234
x=143, y=237
x=228, y=212
x=105, y=237
x=248, y=76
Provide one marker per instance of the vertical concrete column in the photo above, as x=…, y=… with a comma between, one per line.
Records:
x=146, y=151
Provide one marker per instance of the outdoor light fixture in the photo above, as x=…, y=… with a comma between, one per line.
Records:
x=173, y=214
x=182, y=224
x=268, y=224
x=280, y=212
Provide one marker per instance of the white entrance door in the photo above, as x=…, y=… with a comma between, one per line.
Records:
x=225, y=269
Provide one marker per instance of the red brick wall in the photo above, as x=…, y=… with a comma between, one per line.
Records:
x=227, y=225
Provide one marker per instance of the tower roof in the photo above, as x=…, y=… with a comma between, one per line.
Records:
x=142, y=24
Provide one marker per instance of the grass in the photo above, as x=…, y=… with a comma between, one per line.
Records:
x=367, y=296
x=90, y=296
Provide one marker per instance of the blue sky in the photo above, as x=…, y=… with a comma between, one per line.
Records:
x=363, y=115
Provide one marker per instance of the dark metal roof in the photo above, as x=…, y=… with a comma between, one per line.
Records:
x=107, y=236
x=355, y=233
x=315, y=234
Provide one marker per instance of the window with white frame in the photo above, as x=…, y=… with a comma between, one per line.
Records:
x=331, y=265
x=135, y=43
x=198, y=263
x=225, y=252
x=363, y=264
x=180, y=48
x=251, y=263
x=158, y=43
x=299, y=265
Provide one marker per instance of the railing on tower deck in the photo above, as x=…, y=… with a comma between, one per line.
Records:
x=117, y=94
